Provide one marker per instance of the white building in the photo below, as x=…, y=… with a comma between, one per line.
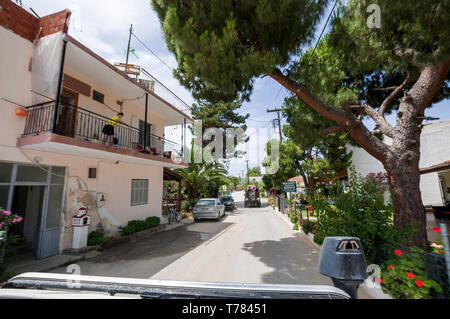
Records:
x=434, y=165
x=52, y=159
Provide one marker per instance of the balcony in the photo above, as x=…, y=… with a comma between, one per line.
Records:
x=78, y=131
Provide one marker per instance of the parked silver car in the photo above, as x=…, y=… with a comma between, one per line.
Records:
x=210, y=208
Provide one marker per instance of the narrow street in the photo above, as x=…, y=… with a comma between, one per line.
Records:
x=248, y=245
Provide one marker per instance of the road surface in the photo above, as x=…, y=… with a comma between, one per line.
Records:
x=257, y=246
x=248, y=245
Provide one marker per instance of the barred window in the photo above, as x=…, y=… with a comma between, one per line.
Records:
x=139, y=192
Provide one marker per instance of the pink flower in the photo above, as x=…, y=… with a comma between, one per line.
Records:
x=7, y=213
x=1, y=225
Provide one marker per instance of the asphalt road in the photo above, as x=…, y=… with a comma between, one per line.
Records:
x=248, y=245
x=257, y=246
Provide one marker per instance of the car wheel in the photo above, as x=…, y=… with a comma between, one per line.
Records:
x=195, y=219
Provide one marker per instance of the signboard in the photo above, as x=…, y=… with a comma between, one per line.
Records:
x=132, y=68
x=290, y=187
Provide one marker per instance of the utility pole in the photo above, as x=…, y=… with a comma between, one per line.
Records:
x=279, y=121
x=128, y=49
x=248, y=177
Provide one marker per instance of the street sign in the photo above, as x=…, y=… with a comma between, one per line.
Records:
x=290, y=187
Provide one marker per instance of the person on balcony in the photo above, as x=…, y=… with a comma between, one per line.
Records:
x=108, y=129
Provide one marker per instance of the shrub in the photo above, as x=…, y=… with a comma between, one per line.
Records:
x=308, y=226
x=405, y=276
x=96, y=238
x=296, y=226
x=152, y=221
x=188, y=205
x=360, y=212
x=135, y=226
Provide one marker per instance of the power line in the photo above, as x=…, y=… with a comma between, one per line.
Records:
x=151, y=51
x=324, y=27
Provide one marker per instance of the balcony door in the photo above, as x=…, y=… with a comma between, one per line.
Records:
x=67, y=114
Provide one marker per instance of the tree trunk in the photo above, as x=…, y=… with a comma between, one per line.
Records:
x=402, y=166
x=311, y=187
x=404, y=183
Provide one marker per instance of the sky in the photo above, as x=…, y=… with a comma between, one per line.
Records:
x=103, y=26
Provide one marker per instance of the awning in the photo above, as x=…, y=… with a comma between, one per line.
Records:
x=170, y=175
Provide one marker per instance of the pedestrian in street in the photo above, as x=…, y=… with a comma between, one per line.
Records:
x=108, y=129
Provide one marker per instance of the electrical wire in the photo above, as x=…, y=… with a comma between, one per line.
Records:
x=151, y=51
x=324, y=27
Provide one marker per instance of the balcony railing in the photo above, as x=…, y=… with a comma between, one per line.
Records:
x=76, y=122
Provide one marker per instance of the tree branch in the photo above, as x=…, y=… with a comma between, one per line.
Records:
x=388, y=101
x=353, y=126
x=427, y=86
x=380, y=120
x=333, y=129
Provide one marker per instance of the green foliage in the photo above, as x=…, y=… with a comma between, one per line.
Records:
x=135, y=226
x=221, y=46
x=296, y=226
x=361, y=212
x=255, y=171
x=405, y=276
x=96, y=238
x=222, y=116
x=436, y=246
x=202, y=179
x=170, y=189
x=309, y=226
x=188, y=204
x=289, y=161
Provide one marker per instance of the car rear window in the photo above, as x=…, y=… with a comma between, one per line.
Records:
x=222, y=198
x=204, y=202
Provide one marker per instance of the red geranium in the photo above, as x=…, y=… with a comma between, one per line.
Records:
x=436, y=229
x=419, y=283
x=410, y=275
x=397, y=252
x=391, y=266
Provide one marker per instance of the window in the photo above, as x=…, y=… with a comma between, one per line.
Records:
x=99, y=97
x=92, y=172
x=139, y=192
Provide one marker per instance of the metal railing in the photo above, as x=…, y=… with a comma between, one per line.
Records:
x=76, y=122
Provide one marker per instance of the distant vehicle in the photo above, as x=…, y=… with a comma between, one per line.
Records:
x=228, y=201
x=252, y=196
x=209, y=208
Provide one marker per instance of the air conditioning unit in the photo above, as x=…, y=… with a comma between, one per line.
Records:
x=149, y=84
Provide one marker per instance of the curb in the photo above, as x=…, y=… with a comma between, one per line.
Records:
x=302, y=233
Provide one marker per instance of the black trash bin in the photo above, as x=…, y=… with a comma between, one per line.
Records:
x=343, y=260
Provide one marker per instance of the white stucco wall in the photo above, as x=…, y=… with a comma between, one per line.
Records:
x=435, y=149
x=113, y=180
x=15, y=83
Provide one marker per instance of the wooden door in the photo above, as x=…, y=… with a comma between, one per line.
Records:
x=67, y=113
